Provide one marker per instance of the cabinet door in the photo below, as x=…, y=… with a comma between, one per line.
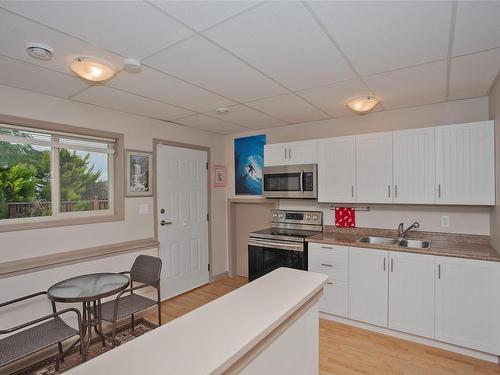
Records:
x=275, y=154
x=337, y=169
x=374, y=168
x=467, y=303
x=414, y=162
x=465, y=163
x=302, y=153
x=411, y=293
x=368, y=285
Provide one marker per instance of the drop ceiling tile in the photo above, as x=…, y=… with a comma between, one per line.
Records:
x=17, y=31
x=211, y=124
x=423, y=84
x=201, y=62
x=332, y=98
x=32, y=77
x=289, y=108
x=477, y=26
x=123, y=101
x=378, y=36
x=130, y=28
x=202, y=14
x=248, y=117
x=284, y=41
x=473, y=75
x=159, y=86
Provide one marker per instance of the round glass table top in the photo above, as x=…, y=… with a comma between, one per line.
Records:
x=88, y=287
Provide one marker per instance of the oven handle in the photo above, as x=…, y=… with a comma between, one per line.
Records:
x=281, y=245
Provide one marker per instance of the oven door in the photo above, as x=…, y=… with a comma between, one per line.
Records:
x=293, y=181
x=265, y=256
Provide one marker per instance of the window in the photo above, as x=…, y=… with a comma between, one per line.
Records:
x=53, y=175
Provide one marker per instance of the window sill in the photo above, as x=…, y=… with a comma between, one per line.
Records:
x=46, y=222
x=22, y=266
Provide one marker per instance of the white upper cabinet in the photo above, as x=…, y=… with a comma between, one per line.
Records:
x=465, y=164
x=414, y=166
x=411, y=293
x=337, y=169
x=467, y=303
x=374, y=168
x=291, y=153
x=368, y=285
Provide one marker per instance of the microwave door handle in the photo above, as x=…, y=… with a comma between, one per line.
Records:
x=301, y=183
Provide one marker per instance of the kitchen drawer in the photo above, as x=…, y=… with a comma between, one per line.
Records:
x=330, y=260
x=335, y=298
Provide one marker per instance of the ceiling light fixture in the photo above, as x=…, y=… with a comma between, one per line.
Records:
x=362, y=104
x=39, y=51
x=222, y=111
x=92, y=69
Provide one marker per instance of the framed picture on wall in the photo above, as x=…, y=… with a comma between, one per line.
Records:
x=138, y=173
x=248, y=164
x=219, y=175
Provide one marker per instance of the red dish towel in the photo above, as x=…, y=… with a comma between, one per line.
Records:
x=345, y=217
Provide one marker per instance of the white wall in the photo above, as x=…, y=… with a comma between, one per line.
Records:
x=139, y=133
x=495, y=212
x=462, y=219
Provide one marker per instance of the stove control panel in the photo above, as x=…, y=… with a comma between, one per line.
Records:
x=297, y=217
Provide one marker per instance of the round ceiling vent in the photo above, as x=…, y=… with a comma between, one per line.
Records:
x=39, y=51
x=222, y=111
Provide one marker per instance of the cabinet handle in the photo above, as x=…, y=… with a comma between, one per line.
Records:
x=392, y=265
x=439, y=271
x=329, y=283
x=439, y=191
x=326, y=265
x=327, y=247
x=384, y=263
x=395, y=191
x=389, y=191
x=289, y=153
x=285, y=154
x=352, y=191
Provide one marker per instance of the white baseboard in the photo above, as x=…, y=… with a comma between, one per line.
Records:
x=418, y=339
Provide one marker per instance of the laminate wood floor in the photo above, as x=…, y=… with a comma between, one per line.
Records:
x=346, y=350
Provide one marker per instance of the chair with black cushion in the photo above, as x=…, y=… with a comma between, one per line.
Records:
x=146, y=271
x=38, y=334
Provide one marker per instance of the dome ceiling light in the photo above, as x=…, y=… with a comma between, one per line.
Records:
x=92, y=69
x=362, y=104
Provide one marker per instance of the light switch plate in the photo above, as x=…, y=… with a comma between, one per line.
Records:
x=144, y=209
x=445, y=221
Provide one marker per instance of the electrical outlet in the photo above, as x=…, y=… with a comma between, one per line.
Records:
x=445, y=221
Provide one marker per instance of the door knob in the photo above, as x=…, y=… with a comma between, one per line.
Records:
x=163, y=222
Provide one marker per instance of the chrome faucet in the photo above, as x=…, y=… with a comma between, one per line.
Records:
x=402, y=232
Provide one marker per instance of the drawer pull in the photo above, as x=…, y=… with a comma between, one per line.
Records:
x=327, y=247
x=329, y=283
x=326, y=265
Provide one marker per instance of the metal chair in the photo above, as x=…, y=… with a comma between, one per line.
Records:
x=51, y=330
x=145, y=270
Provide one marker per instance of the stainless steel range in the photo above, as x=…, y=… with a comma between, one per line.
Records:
x=284, y=243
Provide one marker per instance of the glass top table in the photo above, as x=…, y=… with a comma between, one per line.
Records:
x=89, y=287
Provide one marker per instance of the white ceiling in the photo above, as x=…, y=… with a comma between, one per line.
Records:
x=271, y=63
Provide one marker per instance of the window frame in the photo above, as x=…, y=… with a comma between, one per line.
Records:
x=115, y=211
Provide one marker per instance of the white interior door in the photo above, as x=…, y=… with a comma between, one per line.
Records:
x=182, y=218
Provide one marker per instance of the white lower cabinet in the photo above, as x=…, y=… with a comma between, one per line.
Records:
x=468, y=304
x=411, y=293
x=368, y=285
x=332, y=261
x=453, y=300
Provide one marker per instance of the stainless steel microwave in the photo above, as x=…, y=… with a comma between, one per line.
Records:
x=291, y=181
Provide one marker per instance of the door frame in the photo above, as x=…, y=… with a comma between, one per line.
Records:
x=165, y=142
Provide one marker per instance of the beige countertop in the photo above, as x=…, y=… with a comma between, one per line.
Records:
x=442, y=244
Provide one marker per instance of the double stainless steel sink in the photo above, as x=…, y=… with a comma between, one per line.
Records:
x=402, y=242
